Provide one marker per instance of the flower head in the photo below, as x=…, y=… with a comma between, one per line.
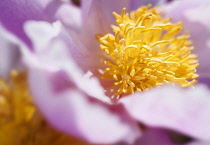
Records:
x=64, y=74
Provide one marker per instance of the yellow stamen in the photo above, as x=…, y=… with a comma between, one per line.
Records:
x=146, y=51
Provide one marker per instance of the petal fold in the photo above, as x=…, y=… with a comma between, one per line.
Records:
x=183, y=110
x=10, y=56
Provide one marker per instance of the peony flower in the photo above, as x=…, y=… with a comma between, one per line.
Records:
x=67, y=87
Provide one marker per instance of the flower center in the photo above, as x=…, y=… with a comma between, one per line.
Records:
x=147, y=50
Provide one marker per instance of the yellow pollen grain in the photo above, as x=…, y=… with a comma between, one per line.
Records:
x=147, y=50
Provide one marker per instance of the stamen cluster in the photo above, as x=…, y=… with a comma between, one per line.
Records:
x=147, y=50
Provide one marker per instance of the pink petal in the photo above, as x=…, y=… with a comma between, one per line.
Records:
x=49, y=40
x=72, y=111
x=46, y=31
x=97, y=18
x=135, y=4
x=10, y=57
x=15, y=12
x=183, y=110
x=70, y=16
x=155, y=136
x=204, y=80
x=199, y=143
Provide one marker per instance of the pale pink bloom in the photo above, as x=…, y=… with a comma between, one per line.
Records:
x=64, y=56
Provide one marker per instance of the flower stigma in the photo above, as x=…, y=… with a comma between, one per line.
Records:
x=147, y=50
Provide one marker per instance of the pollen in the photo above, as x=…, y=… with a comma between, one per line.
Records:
x=147, y=50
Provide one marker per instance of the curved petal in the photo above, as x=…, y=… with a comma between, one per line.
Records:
x=99, y=13
x=155, y=136
x=72, y=111
x=10, y=57
x=204, y=79
x=14, y=13
x=45, y=31
x=183, y=110
x=199, y=143
x=192, y=14
x=70, y=102
x=97, y=18
x=70, y=16
x=54, y=48
x=135, y=4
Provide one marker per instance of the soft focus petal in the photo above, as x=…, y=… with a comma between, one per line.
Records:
x=96, y=18
x=99, y=13
x=15, y=12
x=155, y=136
x=70, y=16
x=9, y=53
x=204, y=80
x=55, y=51
x=193, y=14
x=68, y=101
x=135, y=4
x=45, y=31
x=199, y=143
x=184, y=110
